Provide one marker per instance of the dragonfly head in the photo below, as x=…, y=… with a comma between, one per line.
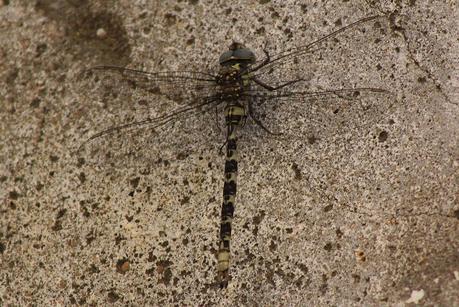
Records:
x=237, y=54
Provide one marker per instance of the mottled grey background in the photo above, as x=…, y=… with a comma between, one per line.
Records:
x=367, y=216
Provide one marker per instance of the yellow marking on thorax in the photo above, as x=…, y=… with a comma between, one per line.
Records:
x=236, y=66
x=245, y=77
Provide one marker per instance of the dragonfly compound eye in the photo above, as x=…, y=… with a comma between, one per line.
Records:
x=237, y=54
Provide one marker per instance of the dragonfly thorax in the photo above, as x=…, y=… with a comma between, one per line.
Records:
x=232, y=82
x=232, y=77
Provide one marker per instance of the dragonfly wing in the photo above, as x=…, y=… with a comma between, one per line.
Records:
x=141, y=89
x=333, y=61
x=131, y=118
x=323, y=114
x=127, y=141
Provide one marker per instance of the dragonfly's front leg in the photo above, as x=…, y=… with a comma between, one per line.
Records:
x=265, y=61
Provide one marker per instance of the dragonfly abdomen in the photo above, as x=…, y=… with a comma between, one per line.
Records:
x=234, y=115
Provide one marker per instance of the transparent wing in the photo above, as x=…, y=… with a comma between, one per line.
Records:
x=293, y=53
x=179, y=86
x=149, y=141
x=131, y=118
x=322, y=115
x=348, y=57
x=339, y=83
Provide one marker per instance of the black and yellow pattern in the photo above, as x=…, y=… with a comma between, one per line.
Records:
x=234, y=114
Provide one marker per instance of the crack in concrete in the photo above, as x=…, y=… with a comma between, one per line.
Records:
x=396, y=28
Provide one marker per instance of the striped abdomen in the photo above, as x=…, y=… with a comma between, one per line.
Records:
x=234, y=114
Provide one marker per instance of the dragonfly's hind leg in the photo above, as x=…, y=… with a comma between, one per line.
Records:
x=220, y=151
x=258, y=121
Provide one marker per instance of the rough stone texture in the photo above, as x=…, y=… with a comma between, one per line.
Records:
x=365, y=216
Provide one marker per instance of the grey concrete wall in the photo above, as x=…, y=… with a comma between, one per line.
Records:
x=356, y=207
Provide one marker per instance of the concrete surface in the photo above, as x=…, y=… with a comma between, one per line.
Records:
x=363, y=212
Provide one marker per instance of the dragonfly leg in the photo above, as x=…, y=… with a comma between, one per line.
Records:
x=220, y=151
x=258, y=121
x=265, y=61
x=266, y=52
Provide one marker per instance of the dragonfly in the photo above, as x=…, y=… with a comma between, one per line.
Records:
x=173, y=103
